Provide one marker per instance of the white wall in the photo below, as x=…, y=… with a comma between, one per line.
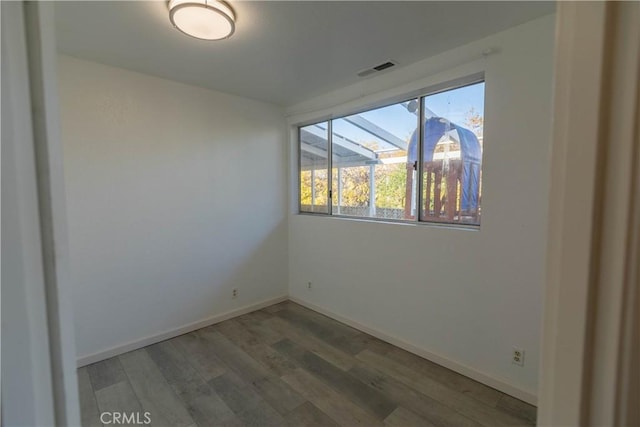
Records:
x=176, y=195
x=463, y=297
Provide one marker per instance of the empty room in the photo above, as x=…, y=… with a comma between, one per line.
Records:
x=320, y=213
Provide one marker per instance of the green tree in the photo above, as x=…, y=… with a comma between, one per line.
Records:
x=391, y=184
x=320, y=183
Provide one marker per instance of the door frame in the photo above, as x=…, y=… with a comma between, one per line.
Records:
x=39, y=372
x=591, y=302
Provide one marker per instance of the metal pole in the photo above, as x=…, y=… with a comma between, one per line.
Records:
x=372, y=190
x=313, y=188
x=329, y=166
x=339, y=189
x=414, y=195
x=419, y=169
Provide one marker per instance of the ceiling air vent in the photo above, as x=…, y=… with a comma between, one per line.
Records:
x=376, y=69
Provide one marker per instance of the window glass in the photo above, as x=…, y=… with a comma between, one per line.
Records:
x=371, y=174
x=374, y=160
x=314, y=166
x=452, y=155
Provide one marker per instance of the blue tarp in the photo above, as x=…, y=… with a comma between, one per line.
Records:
x=471, y=153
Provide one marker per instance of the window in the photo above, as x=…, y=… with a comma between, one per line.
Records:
x=417, y=160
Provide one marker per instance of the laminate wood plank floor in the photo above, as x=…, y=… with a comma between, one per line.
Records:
x=286, y=365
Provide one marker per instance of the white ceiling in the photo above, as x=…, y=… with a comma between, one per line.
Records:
x=281, y=52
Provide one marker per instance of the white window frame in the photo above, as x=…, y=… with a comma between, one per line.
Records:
x=419, y=95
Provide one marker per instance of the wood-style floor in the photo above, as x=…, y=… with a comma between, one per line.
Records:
x=286, y=365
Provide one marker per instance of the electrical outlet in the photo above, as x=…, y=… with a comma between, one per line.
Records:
x=517, y=356
x=309, y=284
x=234, y=293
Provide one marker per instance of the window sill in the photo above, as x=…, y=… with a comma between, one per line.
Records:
x=411, y=223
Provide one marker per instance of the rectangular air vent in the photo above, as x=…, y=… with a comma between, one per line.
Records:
x=384, y=66
x=376, y=69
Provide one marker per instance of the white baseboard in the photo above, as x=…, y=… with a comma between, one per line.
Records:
x=460, y=368
x=152, y=339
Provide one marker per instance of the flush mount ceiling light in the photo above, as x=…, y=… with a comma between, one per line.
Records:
x=203, y=19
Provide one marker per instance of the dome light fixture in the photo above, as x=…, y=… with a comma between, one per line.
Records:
x=203, y=19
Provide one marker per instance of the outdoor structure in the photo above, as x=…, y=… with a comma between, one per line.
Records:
x=452, y=161
x=346, y=153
